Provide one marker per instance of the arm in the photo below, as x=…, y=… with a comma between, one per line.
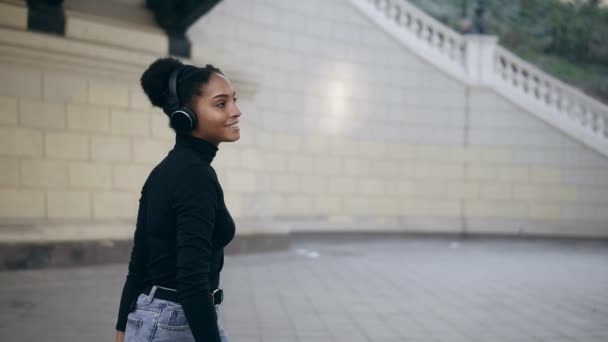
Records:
x=195, y=204
x=137, y=268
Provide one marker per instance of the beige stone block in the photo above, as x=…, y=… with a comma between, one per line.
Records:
x=265, y=139
x=287, y=143
x=276, y=162
x=315, y=144
x=8, y=110
x=502, y=209
x=327, y=205
x=560, y=193
x=115, y=205
x=227, y=158
x=385, y=206
x=160, y=126
x=299, y=164
x=439, y=153
x=298, y=205
x=371, y=150
x=107, y=148
x=130, y=176
x=64, y=87
x=66, y=146
x=69, y=205
x=342, y=147
x=138, y=99
x=513, y=173
x=399, y=151
x=355, y=167
x=247, y=134
x=438, y=170
x=130, y=123
x=462, y=190
x=544, y=211
x=24, y=81
x=407, y=169
x=107, y=33
x=13, y=15
x=342, y=185
x=481, y=172
x=401, y=188
x=109, y=93
x=371, y=186
x=528, y=192
x=313, y=184
x=277, y=203
x=44, y=173
x=9, y=171
x=544, y=175
x=384, y=169
x=90, y=175
x=252, y=159
x=327, y=165
x=429, y=189
x=37, y=114
x=234, y=203
x=286, y=183
x=356, y=206
x=23, y=142
x=88, y=118
x=496, y=191
x=431, y=207
x=240, y=181
x=483, y=154
x=147, y=150
x=23, y=204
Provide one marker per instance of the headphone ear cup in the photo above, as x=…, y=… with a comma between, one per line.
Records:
x=183, y=120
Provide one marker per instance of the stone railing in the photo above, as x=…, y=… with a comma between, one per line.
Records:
x=422, y=33
x=479, y=61
x=555, y=101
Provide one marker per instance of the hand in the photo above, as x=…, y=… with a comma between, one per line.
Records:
x=120, y=336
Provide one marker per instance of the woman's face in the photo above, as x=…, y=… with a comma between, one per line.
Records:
x=217, y=112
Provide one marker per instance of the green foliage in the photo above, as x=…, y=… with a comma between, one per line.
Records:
x=568, y=39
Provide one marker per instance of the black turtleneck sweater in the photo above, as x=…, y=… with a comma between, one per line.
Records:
x=182, y=227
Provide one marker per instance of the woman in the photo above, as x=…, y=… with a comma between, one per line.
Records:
x=171, y=292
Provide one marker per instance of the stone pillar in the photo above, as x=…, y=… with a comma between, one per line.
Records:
x=479, y=58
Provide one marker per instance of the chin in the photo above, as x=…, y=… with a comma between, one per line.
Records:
x=233, y=138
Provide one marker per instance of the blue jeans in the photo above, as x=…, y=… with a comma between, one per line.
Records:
x=158, y=320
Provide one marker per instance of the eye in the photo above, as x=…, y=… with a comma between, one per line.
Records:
x=236, y=98
x=221, y=104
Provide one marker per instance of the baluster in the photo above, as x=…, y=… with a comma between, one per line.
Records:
x=514, y=75
x=429, y=35
x=450, y=48
x=440, y=42
x=525, y=81
x=536, y=87
x=548, y=94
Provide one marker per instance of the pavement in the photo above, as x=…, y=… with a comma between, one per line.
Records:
x=351, y=290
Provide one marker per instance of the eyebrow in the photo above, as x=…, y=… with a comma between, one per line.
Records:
x=224, y=95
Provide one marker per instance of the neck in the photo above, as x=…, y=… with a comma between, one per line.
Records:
x=204, y=149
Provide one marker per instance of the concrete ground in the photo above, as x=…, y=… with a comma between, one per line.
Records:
x=343, y=290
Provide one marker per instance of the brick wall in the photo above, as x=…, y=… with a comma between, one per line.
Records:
x=345, y=129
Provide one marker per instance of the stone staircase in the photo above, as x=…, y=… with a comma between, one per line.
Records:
x=479, y=61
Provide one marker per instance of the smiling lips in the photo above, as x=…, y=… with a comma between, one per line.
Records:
x=234, y=125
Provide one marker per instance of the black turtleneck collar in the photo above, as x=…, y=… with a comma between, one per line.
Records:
x=203, y=148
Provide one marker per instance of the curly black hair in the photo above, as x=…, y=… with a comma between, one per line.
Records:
x=155, y=81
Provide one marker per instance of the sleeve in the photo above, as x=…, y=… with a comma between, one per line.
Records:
x=195, y=205
x=137, y=267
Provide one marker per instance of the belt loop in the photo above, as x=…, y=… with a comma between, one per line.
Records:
x=151, y=295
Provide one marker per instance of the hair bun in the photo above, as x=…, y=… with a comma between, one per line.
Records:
x=155, y=80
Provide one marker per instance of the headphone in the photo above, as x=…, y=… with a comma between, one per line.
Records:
x=181, y=118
